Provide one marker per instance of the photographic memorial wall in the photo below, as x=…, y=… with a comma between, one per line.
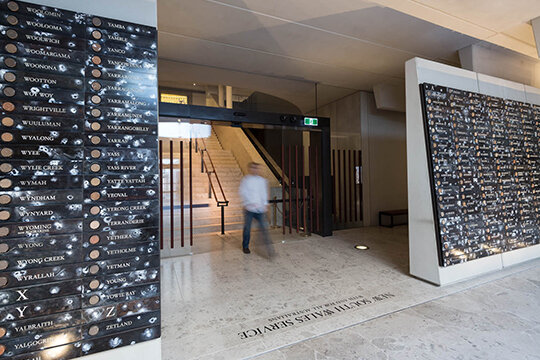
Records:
x=483, y=157
x=79, y=252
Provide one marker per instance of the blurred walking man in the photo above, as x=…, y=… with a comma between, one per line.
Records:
x=254, y=193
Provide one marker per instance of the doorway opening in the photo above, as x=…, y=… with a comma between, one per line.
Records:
x=204, y=153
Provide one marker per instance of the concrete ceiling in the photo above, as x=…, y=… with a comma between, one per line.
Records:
x=502, y=22
x=284, y=47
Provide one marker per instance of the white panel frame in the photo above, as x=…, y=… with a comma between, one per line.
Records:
x=142, y=12
x=493, y=86
x=532, y=95
x=423, y=246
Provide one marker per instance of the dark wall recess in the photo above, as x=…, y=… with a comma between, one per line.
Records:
x=79, y=252
x=483, y=156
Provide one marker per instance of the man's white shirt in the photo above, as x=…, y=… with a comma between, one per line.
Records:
x=254, y=193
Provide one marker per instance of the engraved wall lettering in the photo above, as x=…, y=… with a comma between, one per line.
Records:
x=21, y=311
x=22, y=295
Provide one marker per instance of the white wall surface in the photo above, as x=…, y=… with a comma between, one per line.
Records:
x=136, y=11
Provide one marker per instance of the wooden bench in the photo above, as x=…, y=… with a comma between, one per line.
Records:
x=392, y=214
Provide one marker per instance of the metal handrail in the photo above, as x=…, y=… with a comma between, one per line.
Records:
x=257, y=145
x=205, y=168
x=213, y=171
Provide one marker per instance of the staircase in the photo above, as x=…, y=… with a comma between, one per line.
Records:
x=206, y=213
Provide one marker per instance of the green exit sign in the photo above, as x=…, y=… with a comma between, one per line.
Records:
x=311, y=121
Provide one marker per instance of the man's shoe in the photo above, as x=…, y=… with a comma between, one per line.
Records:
x=246, y=251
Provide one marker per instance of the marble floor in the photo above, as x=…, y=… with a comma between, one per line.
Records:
x=319, y=298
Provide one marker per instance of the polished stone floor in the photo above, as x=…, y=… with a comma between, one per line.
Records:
x=321, y=299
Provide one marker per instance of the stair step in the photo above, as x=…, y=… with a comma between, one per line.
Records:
x=205, y=219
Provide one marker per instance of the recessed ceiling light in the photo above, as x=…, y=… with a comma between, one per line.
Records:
x=194, y=84
x=361, y=247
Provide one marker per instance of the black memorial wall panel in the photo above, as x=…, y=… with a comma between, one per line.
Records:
x=79, y=251
x=483, y=156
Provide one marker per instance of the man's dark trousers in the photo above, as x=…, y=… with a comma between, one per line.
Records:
x=248, y=218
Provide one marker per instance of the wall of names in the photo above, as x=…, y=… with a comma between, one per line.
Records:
x=483, y=155
x=79, y=211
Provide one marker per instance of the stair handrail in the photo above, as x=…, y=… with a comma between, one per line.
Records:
x=223, y=203
x=271, y=163
x=213, y=171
